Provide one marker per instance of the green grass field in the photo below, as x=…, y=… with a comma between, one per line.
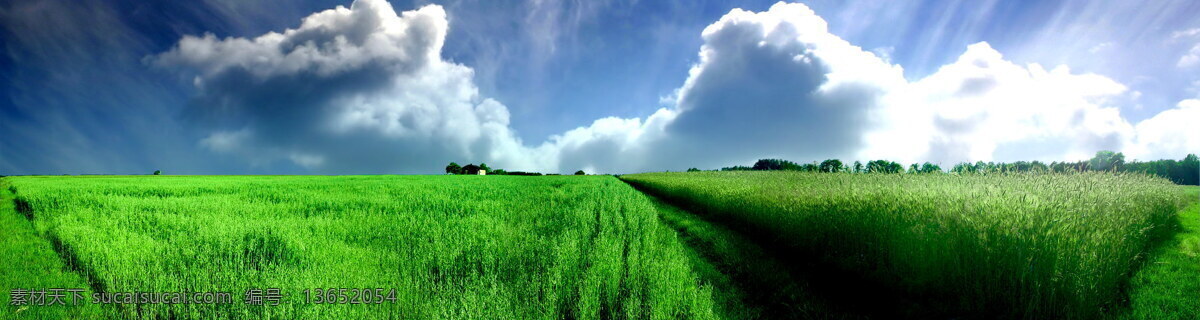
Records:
x=452, y=247
x=31, y=262
x=1010, y=246
x=709, y=245
x=1169, y=285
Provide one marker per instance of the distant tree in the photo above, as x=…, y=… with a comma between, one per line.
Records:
x=484, y=167
x=930, y=168
x=766, y=164
x=737, y=168
x=884, y=166
x=1186, y=171
x=498, y=172
x=858, y=166
x=523, y=173
x=470, y=169
x=157, y=172
x=831, y=165
x=1038, y=166
x=876, y=166
x=580, y=173
x=1078, y=166
x=963, y=167
x=1107, y=161
x=453, y=168
x=1190, y=170
x=775, y=164
x=1064, y=167
x=693, y=170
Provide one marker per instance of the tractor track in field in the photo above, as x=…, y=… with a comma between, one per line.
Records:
x=39, y=265
x=66, y=254
x=752, y=281
x=839, y=293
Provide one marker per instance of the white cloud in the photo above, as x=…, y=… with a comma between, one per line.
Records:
x=983, y=107
x=362, y=89
x=1183, y=34
x=357, y=89
x=1101, y=47
x=770, y=84
x=884, y=53
x=1191, y=58
x=1169, y=134
x=742, y=102
x=225, y=141
x=327, y=43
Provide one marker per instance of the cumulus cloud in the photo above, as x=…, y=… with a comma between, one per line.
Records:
x=362, y=89
x=358, y=89
x=778, y=84
x=770, y=84
x=982, y=107
x=1191, y=58
x=1169, y=134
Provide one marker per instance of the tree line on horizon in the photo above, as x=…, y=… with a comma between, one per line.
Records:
x=1185, y=171
x=472, y=169
x=835, y=165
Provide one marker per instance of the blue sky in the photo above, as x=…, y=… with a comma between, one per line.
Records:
x=605, y=86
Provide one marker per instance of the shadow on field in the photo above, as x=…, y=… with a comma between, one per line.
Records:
x=1170, y=268
x=1160, y=244
x=835, y=287
x=779, y=282
x=23, y=208
x=748, y=281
